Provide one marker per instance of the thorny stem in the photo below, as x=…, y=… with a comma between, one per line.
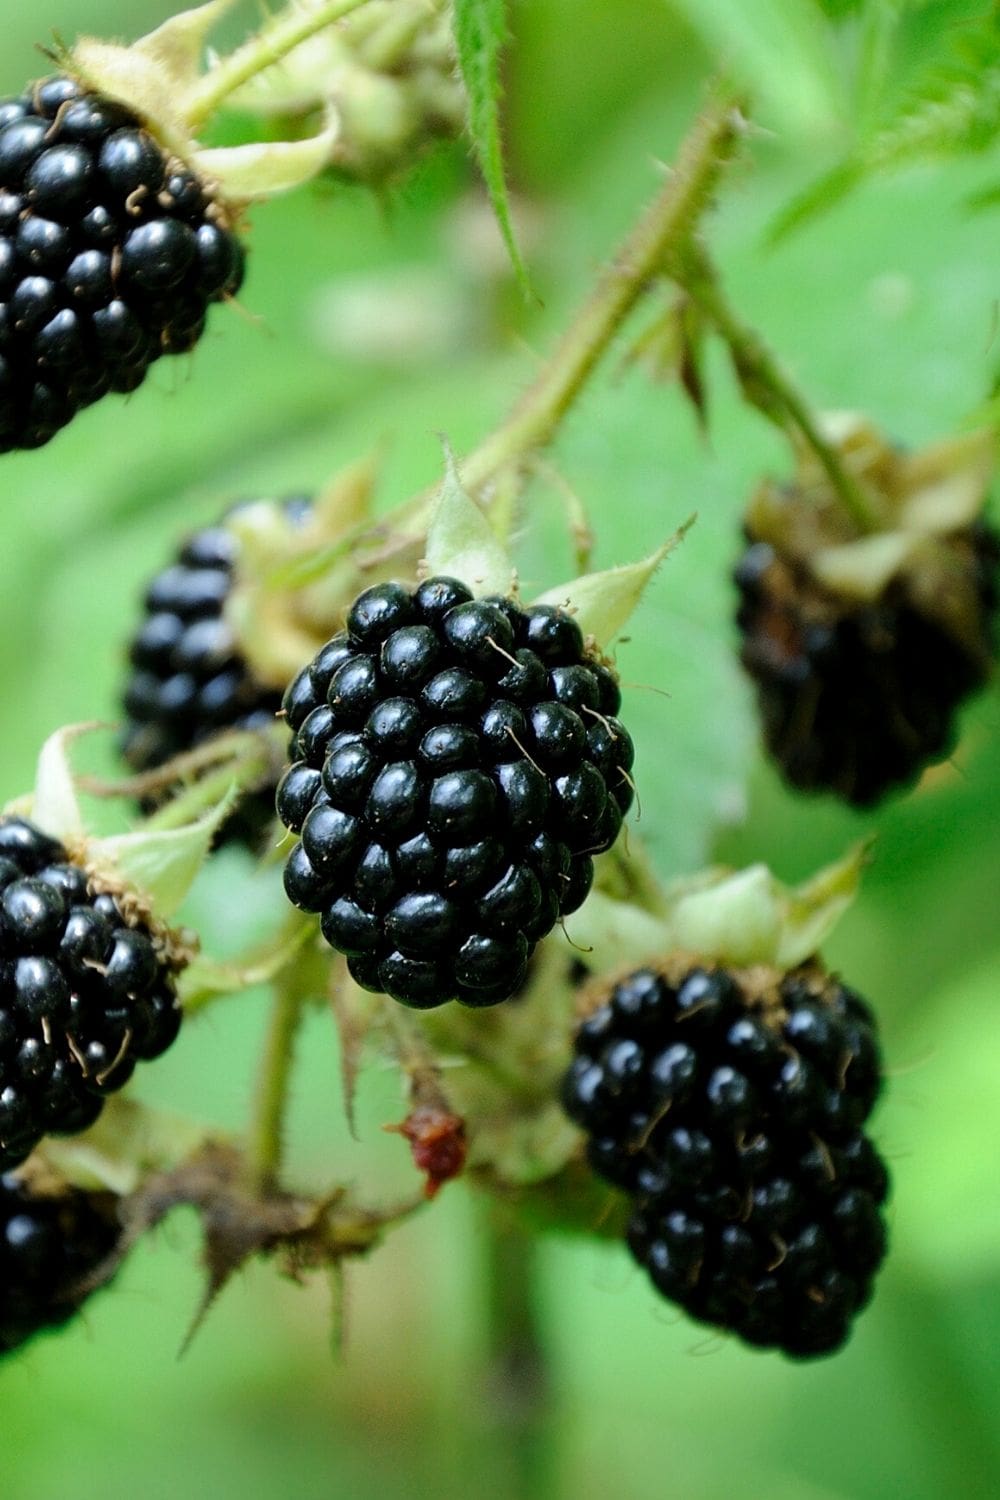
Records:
x=265, y=1139
x=274, y=41
x=668, y=221
x=666, y=225
x=763, y=381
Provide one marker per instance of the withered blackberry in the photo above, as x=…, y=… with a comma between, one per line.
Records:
x=110, y=253
x=52, y=1248
x=456, y=763
x=857, y=698
x=86, y=991
x=189, y=679
x=731, y=1106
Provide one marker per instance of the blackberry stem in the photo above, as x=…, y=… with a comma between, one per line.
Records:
x=265, y=1137
x=242, y=773
x=667, y=223
x=517, y=1393
x=279, y=36
x=762, y=380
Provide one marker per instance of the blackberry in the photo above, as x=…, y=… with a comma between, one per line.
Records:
x=855, y=698
x=189, y=679
x=86, y=991
x=53, y=1250
x=456, y=763
x=730, y=1105
x=111, y=251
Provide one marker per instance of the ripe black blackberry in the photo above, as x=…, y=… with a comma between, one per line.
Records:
x=86, y=991
x=189, y=678
x=858, y=698
x=52, y=1248
x=730, y=1105
x=111, y=251
x=456, y=763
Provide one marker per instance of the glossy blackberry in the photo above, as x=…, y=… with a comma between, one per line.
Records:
x=86, y=991
x=53, y=1251
x=857, y=699
x=730, y=1105
x=188, y=679
x=448, y=787
x=111, y=252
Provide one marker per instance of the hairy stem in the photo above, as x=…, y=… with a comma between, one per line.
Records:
x=665, y=225
x=279, y=36
x=517, y=1387
x=764, y=383
x=265, y=1137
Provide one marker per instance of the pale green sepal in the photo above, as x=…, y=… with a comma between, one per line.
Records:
x=161, y=864
x=737, y=921
x=461, y=543
x=264, y=168
x=864, y=569
x=152, y=77
x=609, y=934
x=177, y=46
x=751, y=917
x=55, y=806
x=134, y=79
x=602, y=603
x=813, y=909
x=947, y=483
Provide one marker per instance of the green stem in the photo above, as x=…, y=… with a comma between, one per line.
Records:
x=251, y=757
x=265, y=1134
x=763, y=381
x=666, y=224
x=663, y=229
x=518, y=1396
x=274, y=41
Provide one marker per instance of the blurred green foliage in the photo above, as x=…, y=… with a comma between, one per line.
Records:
x=888, y=304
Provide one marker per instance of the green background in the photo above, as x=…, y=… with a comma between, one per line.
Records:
x=886, y=305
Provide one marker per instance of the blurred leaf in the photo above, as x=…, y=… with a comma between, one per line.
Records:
x=944, y=1124
x=752, y=38
x=480, y=34
x=953, y=110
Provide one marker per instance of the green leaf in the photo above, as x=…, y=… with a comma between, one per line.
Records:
x=480, y=34
x=815, y=199
x=780, y=48
x=952, y=110
x=940, y=1126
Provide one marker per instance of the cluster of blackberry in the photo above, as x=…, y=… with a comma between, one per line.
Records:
x=85, y=993
x=456, y=763
x=857, y=699
x=189, y=679
x=110, y=254
x=50, y=1250
x=734, y=1118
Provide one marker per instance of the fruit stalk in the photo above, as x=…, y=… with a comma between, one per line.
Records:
x=265, y=1136
x=518, y=1395
x=763, y=382
x=281, y=35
